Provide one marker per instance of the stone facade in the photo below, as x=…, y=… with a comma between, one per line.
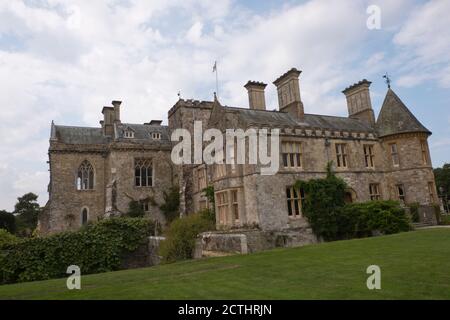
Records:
x=386, y=158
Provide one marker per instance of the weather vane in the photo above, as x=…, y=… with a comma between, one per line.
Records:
x=388, y=80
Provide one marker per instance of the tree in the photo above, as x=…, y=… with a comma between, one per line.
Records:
x=26, y=210
x=442, y=177
x=7, y=221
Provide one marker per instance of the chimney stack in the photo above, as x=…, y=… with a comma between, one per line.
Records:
x=256, y=97
x=288, y=89
x=358, y=102
x=116, y=105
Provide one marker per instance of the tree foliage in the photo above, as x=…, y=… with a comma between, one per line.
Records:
x=27, y=210
x=442, y=177
x=323, y=199
x=332, y=219
x=171, y=205
x=135, y=209
x=7, y=221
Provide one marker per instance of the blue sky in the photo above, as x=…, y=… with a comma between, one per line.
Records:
x=63, y=60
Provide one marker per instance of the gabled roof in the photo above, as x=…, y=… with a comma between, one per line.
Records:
x=396, y=118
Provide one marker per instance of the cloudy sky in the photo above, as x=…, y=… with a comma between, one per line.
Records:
x=63, y=60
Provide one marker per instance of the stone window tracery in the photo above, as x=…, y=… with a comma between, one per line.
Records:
x=143, y=173
x=85, y=176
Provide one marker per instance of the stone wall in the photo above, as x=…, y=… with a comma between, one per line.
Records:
x=249, y=241
x=66, y=202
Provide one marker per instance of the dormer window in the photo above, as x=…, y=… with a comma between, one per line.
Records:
x=128, y=133
x=156, y=135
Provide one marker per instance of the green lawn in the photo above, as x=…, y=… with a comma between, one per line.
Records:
x=414, y=265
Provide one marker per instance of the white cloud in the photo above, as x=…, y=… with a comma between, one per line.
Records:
x=426, y=37
x=67, y=59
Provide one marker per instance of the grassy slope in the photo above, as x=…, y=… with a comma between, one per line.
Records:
x=414, y=265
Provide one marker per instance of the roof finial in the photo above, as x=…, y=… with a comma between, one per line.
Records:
x=387, y=80
x=215, y=96
x=179, y=94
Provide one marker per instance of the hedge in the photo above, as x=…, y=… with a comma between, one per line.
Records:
x=99, y=247
x=358, y=220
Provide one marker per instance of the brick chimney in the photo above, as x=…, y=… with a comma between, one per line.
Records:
x=256, y=97
x=358, y=102
x=288, y=89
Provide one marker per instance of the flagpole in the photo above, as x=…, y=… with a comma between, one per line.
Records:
x=217, y=77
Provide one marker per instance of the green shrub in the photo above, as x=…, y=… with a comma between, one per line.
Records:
x=445, y=220
x=7, y=239
x=358, y=220
x=182, y=233
x=95, y=248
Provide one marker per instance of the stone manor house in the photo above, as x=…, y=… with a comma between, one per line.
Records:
x=96, y=171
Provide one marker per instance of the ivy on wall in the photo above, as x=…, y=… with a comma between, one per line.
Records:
x=95, y=248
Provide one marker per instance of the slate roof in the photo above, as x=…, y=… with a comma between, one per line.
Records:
x=80, y=135
x=89, y=135
x=254, y=117
x=143, y=133
x=396, y=118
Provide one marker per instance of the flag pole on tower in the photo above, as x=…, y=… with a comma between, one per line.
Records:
x=217, y=77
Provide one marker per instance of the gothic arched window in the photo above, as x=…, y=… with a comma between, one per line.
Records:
x=84, y=216
x=85, y=176
x=143, y=173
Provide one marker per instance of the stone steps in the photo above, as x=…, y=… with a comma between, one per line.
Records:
x=423, y=224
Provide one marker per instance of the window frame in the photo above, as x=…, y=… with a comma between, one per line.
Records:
x=341, y=155
x=425, y=152
x=395, y=157
x=84, y=221
x=140, y=164
x=294, y=202
x=292, y=154
x=401, y=197
x=85, y=177
x=374, y=196
x=369, y=155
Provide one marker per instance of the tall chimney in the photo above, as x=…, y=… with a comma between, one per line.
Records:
x=288, y=89
x=116, y=105
x=358, y=102
x=256, y=97
x=108, y=120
